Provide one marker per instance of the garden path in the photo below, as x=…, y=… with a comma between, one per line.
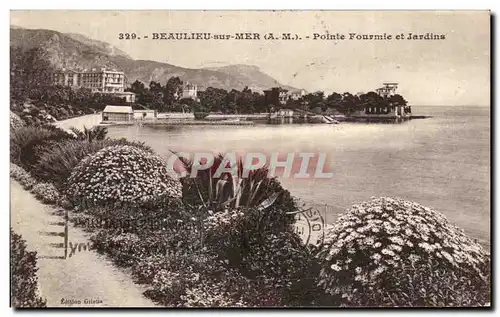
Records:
x=84, y=275
x=88, y=121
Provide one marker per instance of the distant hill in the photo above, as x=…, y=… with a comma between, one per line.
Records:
x=75, y=51
x=105, y=48
x=61, y=49
x=251, y=75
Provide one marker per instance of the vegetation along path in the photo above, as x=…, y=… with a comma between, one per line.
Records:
x=85, y=278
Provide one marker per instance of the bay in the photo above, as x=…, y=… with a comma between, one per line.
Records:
x=441, y=162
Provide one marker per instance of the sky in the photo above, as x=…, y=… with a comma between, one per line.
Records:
x=453, y=71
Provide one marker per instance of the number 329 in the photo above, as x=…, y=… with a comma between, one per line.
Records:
x=127, y=36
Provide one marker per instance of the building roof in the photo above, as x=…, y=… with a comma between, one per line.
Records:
x=118, y=109
x=123, y=93
x=65, y=71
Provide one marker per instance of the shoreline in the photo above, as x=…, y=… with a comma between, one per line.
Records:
x=92, y=120
x=177, y=123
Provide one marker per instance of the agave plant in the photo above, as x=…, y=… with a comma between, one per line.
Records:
x=95, y=133
x=229, y=190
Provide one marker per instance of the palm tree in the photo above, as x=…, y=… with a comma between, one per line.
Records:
x=95, y=133
x=228, y=190
x=255, y=195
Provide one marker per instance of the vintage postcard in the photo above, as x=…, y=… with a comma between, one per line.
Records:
x=250, y=159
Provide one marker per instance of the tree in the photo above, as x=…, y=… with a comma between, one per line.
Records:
x=245, y=101
x=82, y=96
x=137, y=87
x=272, y=98
x=334, y=100
x=314, y=100
x=259, y=102
x=155, y=96
x=398, y=100
x=214, y=99
x=349, y=102
x=232, y=99
x=30, y=72
x=371, y=98
x=155, y=87
x=188, y=104
x=173, y=90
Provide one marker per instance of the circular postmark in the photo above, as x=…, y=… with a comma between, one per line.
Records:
x=310, y=225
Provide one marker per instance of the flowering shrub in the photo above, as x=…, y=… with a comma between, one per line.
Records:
x=227, y=233
x=211, y=295
x=179, y=271
x=199, y=279
x=19, y=174
x=46, y=192
x=224, y=222
x=391, y=252
x=231, y=191
x=124, y=248
x=16, y=122
x=144, y=271
x=231, y=288
x=278, y=259
x=23, y=268
x=146, y=220
x=64, y=203
x=287, y=266
x=170, y=283
x=57, y=161
x=171, y=274
x=119, y=174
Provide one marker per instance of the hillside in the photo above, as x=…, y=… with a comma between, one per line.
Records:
x=78, y=51
x=251, y=75
x=62, y=50
x=147, y=71
x=104, y=47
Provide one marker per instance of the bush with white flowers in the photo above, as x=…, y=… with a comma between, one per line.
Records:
x=22, y=176
x=224, y=220
x=213, y=294
x=118, y=174
x=15, y=121
x=392, y=252
x=46, y=192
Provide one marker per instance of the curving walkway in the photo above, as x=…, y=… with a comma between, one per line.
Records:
x=88, y=121
x=84, y=279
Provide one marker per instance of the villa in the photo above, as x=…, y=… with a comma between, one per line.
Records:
x=389, y=112
x=285, y=113
x=392, y=110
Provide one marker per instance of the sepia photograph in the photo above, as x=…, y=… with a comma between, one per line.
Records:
x=250, y=159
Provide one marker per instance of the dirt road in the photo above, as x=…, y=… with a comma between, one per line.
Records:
x=88, y=121
x=86, y=279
